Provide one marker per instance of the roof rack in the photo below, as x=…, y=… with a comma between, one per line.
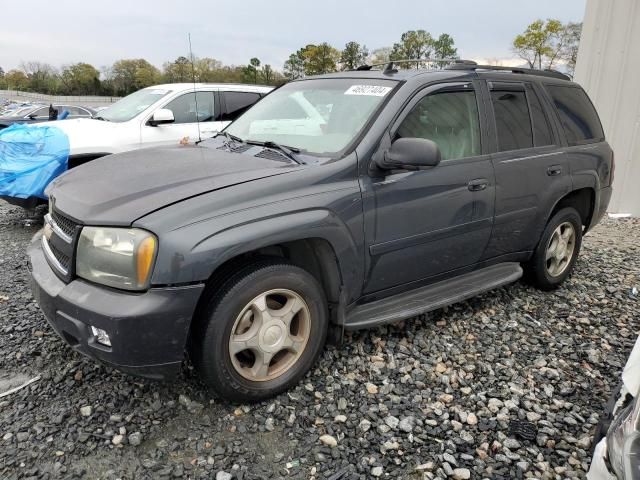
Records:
x=528, y=71
x=389, y=67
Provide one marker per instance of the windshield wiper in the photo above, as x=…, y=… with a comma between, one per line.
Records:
x=229, y=136
x=100, y=118
x=289, y=152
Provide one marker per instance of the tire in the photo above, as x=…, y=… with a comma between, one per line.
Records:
x=548, y=274
x=236, y=316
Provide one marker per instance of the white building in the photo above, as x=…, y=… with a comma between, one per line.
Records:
x=608, y=68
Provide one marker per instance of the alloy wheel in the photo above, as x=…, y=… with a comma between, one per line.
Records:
x=269, y=335
x=560, y=249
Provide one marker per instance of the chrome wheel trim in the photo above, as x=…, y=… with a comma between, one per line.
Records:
x=269, y=335
x=560, y=249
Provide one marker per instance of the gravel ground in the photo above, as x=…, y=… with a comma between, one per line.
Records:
x=436, y=397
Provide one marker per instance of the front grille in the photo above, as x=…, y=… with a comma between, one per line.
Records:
x=64, y=260
x=65, y=224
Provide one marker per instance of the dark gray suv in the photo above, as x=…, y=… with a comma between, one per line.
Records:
x=337, y=202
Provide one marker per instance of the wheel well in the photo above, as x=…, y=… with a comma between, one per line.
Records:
x=315, y=255
x=583, y=200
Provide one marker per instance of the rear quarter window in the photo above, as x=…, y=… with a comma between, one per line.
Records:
x=579, y=119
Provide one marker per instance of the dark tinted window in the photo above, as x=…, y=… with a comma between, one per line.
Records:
x=184, y=107
x=541, y=130
x=450, y=119
x=513, y=123
x=237, y=103
x=577, y=115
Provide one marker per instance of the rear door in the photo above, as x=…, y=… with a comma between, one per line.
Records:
x=530, y=165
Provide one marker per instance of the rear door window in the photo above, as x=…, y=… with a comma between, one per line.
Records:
x=513, y=119
x=237, y=103
x=541, y=131
x=579, y=119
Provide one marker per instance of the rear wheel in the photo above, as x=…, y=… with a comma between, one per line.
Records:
x=557, y=251
x=262, y=332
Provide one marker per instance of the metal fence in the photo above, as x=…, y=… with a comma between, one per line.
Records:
x=88, y=100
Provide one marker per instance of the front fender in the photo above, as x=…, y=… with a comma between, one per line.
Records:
x=213, y=249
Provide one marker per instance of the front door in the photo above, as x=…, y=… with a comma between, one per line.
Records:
x=433, y=221
x=188, y=126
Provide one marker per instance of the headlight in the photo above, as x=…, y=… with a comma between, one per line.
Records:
x=623, y=442
x=117, y=257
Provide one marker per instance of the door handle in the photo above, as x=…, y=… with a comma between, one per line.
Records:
x=554, y=170
x=478, y=184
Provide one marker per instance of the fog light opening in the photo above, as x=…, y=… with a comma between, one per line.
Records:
x=101, y=336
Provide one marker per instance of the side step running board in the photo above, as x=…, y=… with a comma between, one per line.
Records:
x=431, y=297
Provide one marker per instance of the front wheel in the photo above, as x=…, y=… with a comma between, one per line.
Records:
x=262, y=332
x=557, y=251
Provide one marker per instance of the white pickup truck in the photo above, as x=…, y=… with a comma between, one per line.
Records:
x=156, y=116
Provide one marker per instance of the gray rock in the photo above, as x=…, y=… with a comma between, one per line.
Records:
x=135, y=439
x=392, y=422
x=461, y=474
x=377, y=471
x=406, y=424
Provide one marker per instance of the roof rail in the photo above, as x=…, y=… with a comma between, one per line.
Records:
x=389, y=67
x=528, y=71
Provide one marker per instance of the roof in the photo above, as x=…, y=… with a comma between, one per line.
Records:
x=226, y=86
x=459, y=69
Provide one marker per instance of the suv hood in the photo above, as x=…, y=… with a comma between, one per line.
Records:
x=119, y=189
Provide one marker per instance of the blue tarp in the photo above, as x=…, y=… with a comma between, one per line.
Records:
x=30, y=157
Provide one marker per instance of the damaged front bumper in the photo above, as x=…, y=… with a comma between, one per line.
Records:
x=147, y=331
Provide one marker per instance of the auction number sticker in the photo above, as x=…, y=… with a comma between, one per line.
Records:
x=370, y=90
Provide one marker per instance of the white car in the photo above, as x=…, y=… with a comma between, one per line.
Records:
x=158, y=116
x=617, y=455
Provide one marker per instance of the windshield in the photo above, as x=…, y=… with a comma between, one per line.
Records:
x=131, y=105
x=320, y=117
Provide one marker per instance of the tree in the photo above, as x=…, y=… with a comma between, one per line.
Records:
x=42, y=76
x=268, y=75
x=133, y=74
x=251, y=71
x=353, y=55
x=178, y=71
x=444, y=47
x=80, y=79
x=294, y=66
x=16, y=80
x=544, y=44
x=320, y=59
x=413, y=44
x=208, y=69
x=537, y=42
x=380, y=55
x=569, y=52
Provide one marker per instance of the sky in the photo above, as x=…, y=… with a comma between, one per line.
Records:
x=70, y=31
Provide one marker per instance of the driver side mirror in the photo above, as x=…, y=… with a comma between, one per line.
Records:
x=411, y=154
x=161, y=116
